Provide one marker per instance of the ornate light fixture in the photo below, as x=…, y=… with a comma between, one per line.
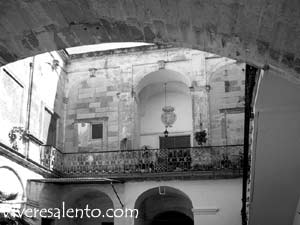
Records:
x=168, y=117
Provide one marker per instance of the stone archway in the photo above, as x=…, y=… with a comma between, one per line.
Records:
x=257, y=33
x=161, y=205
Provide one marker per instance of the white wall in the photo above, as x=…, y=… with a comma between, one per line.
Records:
x=215, y=202
x=277, y=153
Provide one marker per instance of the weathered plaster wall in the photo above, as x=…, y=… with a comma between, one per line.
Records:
x=47, y=93
x=13, y=97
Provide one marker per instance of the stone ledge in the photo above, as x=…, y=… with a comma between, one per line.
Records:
x=183, y=175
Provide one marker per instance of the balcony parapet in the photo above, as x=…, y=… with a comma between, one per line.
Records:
x=209, y=161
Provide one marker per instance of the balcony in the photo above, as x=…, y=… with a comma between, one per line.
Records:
x=51, y=158
x=201, y=162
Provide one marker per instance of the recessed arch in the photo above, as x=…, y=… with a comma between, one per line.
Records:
x=160, y=76
x=155, y=90
x=219, y=67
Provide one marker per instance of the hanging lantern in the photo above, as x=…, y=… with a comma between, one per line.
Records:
x=168, y=117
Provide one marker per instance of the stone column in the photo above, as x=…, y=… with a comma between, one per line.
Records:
x=200, y=108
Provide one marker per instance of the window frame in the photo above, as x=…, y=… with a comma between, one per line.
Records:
x=91, y=130
x=99, y=141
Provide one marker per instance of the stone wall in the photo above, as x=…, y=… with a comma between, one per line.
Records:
x=104, y=88
x=91, y=100
x=226, y=104
x=254, y=31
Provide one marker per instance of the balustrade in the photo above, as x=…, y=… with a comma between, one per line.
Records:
x=208, y=158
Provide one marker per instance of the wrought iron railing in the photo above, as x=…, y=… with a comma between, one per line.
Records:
x=203, y=158
x=207, y=158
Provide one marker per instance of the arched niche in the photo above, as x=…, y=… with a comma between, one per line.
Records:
x=156, y=90
x=160, y=76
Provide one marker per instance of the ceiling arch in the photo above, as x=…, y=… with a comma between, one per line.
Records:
x=161, y=76
x=258, y=32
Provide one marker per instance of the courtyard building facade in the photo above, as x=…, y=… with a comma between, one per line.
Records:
x=153, y=128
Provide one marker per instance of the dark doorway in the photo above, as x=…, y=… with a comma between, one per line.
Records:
x=175, y=142
x=176, y=152
x=172, y=218
x=47, y=221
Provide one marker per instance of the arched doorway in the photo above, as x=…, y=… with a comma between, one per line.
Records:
x=164, y=205
x=172, y=218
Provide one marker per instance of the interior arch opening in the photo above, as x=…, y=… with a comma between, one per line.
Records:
x=161, y=205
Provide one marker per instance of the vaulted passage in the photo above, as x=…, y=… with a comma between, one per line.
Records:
x=261, y=33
